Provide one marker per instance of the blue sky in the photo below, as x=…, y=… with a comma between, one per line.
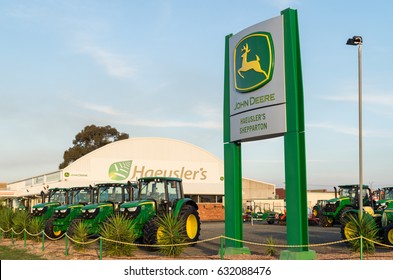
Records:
x=155, y=69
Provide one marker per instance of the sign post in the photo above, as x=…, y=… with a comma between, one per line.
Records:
x=263, y=98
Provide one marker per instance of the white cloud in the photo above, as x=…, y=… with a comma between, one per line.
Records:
x=352, y=130
x=374, y=97
x=108, y=110
x=114, y=64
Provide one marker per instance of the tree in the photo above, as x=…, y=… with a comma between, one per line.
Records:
x=90, y=138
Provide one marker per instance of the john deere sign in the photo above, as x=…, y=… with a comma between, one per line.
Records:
x=263, y=98
x=257, y=93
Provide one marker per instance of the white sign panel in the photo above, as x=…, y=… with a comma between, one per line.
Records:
x=257, y=82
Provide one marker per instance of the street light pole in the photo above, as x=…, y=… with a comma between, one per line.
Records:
x=358, y=40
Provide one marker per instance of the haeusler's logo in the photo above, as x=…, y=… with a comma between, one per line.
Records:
x=253, y=61
x=119, y=171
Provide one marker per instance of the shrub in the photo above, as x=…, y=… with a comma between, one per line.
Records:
x=21, y=222
x=35, y=228
x=170, y=232
x=6, y=217
x=365, y=227
x=271, y=249
x=78, y=231
x=117, y=232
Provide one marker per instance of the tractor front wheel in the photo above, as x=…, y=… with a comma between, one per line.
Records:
x=326, y=221
x=388, y=234
x=151, y=234
x=50, y=230
x=192, y=223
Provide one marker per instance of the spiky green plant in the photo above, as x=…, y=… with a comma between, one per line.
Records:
x=366, y=227
x=79, y=234
x=35, y=228
x=118, y=233
x=170, y=234
x=6, y=218
x=21, y=222
x=271, y=250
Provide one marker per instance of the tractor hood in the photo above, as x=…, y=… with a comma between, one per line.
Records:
x=42, y=205
x=97, y=205
x=334, y=200
x=136, y=203
x=64, y=207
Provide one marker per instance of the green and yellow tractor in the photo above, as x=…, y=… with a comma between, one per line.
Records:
x=58, y=224
x=347, y=199
x=108, y=198
x=56, y=197
x=157, y=196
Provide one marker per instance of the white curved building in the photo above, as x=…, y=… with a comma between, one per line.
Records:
x=130, y=159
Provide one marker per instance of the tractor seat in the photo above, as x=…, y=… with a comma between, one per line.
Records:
x=369, y=210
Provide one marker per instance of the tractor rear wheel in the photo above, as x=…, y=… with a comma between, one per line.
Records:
x=50, y=230
x=388, y=234
x=341, y=216
x=192, y=223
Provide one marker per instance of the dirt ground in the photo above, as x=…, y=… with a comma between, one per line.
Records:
x=55, y=250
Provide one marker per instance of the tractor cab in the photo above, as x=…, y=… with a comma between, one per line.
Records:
x=164, y=193
x=385, y=198
x=354, y=194
x=56, y=197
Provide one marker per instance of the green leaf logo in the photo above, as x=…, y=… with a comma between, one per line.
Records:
x=120, y=170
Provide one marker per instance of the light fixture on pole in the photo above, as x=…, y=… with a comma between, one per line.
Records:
x=358, y=41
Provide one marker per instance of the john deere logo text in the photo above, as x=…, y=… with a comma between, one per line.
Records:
x=253, y=61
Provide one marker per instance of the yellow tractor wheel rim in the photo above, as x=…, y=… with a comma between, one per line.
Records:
x=314, y=212
x=390, y=236
x=56, y=232
x=191, y=226
x=160, y=233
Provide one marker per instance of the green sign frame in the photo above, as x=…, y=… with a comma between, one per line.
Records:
x=294, y=151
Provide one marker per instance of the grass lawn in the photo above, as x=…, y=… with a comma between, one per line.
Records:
x=9, y=253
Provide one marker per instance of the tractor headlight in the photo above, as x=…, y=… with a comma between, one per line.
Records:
x=40, y=208
x=90, y=211
x=132, y=209
x=63, y=210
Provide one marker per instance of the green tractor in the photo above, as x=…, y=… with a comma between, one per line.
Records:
x=385, y=199
x=157, y=196
x=58, y=224
x=383, y=221
x=108, y=198
x=347, y=199
x=56, y=197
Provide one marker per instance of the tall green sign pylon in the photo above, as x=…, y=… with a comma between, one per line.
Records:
x=232, y=177
x=294, y=145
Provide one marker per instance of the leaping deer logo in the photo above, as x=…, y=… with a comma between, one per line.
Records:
x=249, y=65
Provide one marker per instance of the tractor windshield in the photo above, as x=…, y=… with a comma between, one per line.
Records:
x=152, y=190
x=345, y=192
x=113, y=193
x=82, y=195
x=388, y=193
x=59, y=196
